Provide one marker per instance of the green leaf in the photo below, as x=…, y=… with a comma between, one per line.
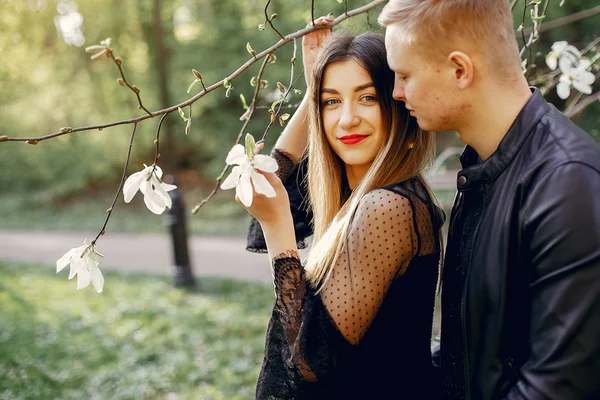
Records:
x=243, y=99
x=226, y=83
x=297, y=91
x=250, y=49
x=192, y=85
x=285, y=116
x=182, y=114
x=250, y=146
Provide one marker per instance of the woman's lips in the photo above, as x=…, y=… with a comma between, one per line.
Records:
x=353, y=139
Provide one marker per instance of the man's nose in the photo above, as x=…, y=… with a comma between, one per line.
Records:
x=398, y=93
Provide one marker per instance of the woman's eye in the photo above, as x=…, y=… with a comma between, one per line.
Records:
x=330, y=102
x=369, y=98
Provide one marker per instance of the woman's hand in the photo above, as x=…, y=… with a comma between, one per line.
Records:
x=311, y=44
x=270, y=211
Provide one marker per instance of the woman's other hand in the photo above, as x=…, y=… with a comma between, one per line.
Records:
x=311, y=44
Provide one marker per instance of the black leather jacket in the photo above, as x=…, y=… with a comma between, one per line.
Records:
x=521, y=280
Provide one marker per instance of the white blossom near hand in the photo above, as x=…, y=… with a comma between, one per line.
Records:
x=562, y=55
x=579, y=77
x=84, y=261
x=244, y=174
x=149, y=182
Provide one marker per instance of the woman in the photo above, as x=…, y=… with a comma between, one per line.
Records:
x=355, y=321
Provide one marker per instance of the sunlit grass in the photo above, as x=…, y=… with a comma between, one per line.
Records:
x=139, y=339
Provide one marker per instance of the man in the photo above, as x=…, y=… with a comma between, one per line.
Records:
x=521, y=280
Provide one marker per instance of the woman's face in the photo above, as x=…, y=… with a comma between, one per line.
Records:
x=351, y=115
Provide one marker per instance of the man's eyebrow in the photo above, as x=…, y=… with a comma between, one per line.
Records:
x=356, y=89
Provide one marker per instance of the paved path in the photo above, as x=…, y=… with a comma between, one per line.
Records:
x=210, y=256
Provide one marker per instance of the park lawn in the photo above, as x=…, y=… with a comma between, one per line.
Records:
x=139, y=339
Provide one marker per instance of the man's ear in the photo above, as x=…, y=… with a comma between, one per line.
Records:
x=463, y=68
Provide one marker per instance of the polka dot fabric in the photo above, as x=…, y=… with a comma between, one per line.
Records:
x=381, y=243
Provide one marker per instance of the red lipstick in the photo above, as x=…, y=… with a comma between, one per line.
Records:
x=353, y=139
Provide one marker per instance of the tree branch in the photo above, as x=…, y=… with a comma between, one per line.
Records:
x=282, y=42
x=584, y=104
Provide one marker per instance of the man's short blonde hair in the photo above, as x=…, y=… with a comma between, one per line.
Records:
x=438, y=26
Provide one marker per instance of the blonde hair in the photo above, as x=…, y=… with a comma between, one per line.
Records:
x=485, y=26
x=403, y=156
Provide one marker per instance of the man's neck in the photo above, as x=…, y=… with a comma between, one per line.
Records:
x=492, y=117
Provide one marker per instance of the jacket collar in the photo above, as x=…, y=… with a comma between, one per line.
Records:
x=476, y=172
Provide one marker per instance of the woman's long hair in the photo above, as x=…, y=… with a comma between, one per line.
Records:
x=404, y=155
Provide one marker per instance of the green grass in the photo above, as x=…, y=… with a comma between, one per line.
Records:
x=139, y=339
x=221, y=216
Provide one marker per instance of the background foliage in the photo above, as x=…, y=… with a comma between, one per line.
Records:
x=47, y=83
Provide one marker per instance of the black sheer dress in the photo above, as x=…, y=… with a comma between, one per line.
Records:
x=367, y=334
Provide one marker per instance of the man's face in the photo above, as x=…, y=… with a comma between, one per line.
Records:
x=423, y=84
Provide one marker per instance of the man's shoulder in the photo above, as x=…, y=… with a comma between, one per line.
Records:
x=556, y=141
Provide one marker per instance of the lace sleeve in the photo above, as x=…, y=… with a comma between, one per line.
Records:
x=380, y=245
x=292, y=175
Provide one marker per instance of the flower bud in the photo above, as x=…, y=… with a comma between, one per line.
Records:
x=34, y=142
x=274, y=16
x=188, y=126
x=272, y=117
x=253, y=81
x=261, y=27
x=92, y=49
x=66, y=129
x=109, y=210
x=121, y=82
x=196, y=74
x=135, y=89
x=99, y=55
x=3, y=138
x=281, y=87
x=118, y=60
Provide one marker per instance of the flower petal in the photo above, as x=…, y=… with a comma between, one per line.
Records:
x=97, y=279
x=262, y=185
x=66, y=258
x=132, y=184
x=236, y=155
x=559, y=46
x=552, y=61
x=84, y=277
x=157, y=171
x=167, y=187
x=265, y=163
x=233, y=179
x=563, y=89
x=159, y=190
x=244, y=190
x=152, y=200
x=583, y=87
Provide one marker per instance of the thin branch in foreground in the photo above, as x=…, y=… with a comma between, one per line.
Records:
x=217, y=85
x=110, y=210
x=583, y=105
x=251, y=108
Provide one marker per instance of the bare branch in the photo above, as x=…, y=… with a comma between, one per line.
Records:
x=217, y=85
x=270, y=20
x=584, y=104
x=251, y=109
x=110, y=210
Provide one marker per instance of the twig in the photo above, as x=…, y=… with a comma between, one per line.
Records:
x=110, y=210
x=556, y=23
x=218, y=85
x=157, y=155
x=133, y=88
x=284, y=95
x=581, y=106
x=270, y=21
x=251, y=107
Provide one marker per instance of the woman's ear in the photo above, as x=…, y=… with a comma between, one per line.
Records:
x=463, y=68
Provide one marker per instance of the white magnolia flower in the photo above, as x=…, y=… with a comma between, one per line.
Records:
x=149, y=182
x=84, y=261
x=562, y=55
x=244, y=174
x=579, y=77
